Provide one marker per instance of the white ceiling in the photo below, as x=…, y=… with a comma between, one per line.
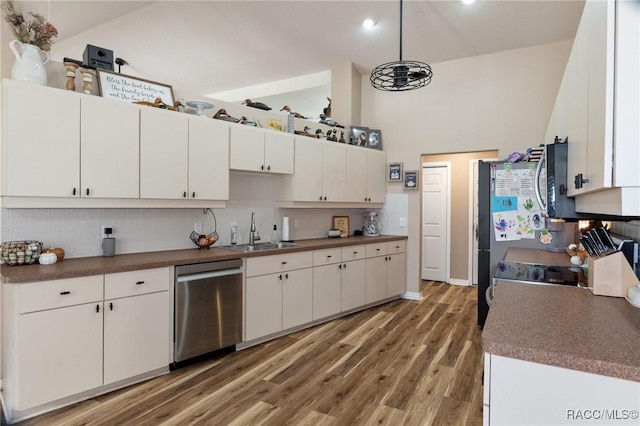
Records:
x=209, y=47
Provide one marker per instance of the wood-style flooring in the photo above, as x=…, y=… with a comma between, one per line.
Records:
x=402, y=363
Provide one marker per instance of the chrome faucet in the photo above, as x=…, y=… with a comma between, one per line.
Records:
x=252, y=234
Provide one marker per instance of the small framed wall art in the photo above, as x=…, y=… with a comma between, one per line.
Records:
x=341, y=223
x=359, y=136
x=126, y=88
x=394, y=172
x=411, y=180
x=375, y=139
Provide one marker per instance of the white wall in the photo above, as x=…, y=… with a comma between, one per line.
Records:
x=501, y=101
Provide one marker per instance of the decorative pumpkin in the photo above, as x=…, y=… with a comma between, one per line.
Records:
x=47, y=258
x=59, y=252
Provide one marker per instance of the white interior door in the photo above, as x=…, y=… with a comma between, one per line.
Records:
x=435, y=207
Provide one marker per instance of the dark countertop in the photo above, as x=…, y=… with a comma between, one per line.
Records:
x=98, y=265
x=566, y=327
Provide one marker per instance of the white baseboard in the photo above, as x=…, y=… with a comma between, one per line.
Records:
x=455, y=281
x=411, y=295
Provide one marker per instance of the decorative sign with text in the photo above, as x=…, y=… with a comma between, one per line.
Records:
x=132, y=89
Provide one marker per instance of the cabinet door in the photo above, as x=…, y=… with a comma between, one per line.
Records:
x=59, y=353
x=41, y=149
x=110, y=155
x=376, y=176
x=278, y=152
x=136, y=335
x=577, y=110
x=376, y=279
x=356, y=175
x=263, y=305
x=208, y=159
x=353, y=284
x=247, y=149
x=297, y=296
x=164, y=148
x=307, y=181
x=396, y=273
x=327, y=290
x=599, y=71
x=334, y=169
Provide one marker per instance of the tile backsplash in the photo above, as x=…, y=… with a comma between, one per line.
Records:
x=79, y=231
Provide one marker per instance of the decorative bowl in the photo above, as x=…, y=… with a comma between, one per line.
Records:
x=202, y=240
x=20, y=252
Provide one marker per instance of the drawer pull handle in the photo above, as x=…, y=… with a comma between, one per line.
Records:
x=139, y=282
x=397, y=247
x=378, y=249
x=329, y=256
x=345, y=266
x=355, y=252
x=280, y=277
x=111, y=306
x=286, y=276
x=284, y=263
x=64, y=293
x=97, y=308
x=340, y=266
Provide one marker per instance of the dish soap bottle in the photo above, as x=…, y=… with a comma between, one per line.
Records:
x=274, y=235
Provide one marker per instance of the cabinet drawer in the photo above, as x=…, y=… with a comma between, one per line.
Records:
x=353, y=253
x=43, y=295
x=394, y=247
x=327, y=256
x=125, y=284
x=377, y=249
x=278, y=263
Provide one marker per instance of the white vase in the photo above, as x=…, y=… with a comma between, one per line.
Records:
x=29, y=65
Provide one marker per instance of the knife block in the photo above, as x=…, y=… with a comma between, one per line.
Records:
x=611, y=275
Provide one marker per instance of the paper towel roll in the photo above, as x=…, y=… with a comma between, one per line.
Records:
x=285, y=228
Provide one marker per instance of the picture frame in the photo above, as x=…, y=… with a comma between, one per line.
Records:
x=122, y=87
x=375, y=139
x=411, y=181
x=341, y=223
x=394, y=172
x=359, y=136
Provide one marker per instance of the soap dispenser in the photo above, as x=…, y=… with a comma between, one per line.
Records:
x=274, y=235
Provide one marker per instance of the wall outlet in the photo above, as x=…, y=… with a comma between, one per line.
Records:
x=197, y=227
x=107, y=231
x=296, y=223
x=403, y=222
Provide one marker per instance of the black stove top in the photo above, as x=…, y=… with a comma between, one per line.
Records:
x=540, y=274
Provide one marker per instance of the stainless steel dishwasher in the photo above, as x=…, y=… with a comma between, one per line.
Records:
x=208, y=308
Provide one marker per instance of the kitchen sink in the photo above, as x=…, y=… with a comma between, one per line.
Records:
x=260, y=247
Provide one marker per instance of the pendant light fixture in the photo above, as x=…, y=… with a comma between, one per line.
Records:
x=401, y=75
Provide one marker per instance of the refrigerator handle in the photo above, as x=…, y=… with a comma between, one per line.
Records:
x=536, y=181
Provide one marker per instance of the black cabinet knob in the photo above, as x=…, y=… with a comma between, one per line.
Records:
x=74, y=191
x=64, y=293
x=111, y=306
x=193, y=195
x=97, y=308
x=578, y=181
x=262, y=167
x=184, y=194
x=139, y=282
x=87, y=191
x=269, y=168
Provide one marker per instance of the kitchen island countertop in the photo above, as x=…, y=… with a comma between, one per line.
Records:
x=566, y=327
x=98, y=265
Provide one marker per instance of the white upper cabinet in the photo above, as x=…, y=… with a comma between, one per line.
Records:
x=41, y=141
x=259, y=150
x=109, y=161
x=164, y=150
x=598, y=107
x=208, y=159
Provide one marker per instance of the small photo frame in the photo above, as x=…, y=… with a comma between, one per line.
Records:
x=359, y=136
x=411, y=181
x=126, y=88
x=394, y=172
x=341, y=223
x=375, y=139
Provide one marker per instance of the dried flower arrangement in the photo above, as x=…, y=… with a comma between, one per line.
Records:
x=37, y=31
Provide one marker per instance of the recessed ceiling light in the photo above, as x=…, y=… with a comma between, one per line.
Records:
x=369, y=23
x=468, y=1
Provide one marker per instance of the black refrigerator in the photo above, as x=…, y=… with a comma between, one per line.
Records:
x=492, y=198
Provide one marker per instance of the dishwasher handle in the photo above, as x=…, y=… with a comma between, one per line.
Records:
x=205, y=275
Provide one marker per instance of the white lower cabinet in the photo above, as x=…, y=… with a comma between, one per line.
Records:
x=278, y=293
x=63, y=338
x=58, y=354
x=327, y=282
x=138, y=312
x=527, y=393
x=353, y=277
x=385, y=270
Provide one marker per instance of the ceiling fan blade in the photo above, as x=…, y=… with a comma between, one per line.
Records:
x=417, y=75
